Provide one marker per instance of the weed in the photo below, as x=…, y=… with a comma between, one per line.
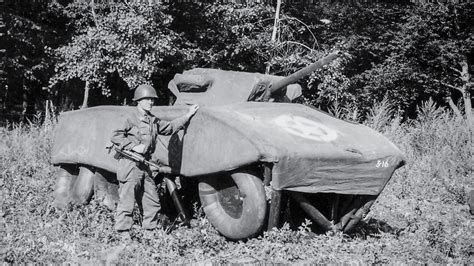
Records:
x=420, y=217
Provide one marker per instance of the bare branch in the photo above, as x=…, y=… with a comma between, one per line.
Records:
x=469, y=85
x=94, y=16
x=307, y=27
x=276, y=22
x=449, y=85
x=456, y=70
x=292, y=42
x=276, y=27
x=129, y=6
x=465, y=76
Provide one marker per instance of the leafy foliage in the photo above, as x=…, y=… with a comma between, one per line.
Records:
x=420, y=53
x=226, y=36
x=405, y=52
x=131, y=40
x=31, y=27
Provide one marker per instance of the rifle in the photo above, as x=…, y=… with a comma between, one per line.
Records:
x=170, y=185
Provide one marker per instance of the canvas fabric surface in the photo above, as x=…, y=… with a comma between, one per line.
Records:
x=310, y=151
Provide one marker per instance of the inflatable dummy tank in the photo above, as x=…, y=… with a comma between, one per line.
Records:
x=246, y=136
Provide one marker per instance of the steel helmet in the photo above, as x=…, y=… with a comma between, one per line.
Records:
x=144, y=91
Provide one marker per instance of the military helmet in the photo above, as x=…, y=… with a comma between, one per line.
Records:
x=144, y=91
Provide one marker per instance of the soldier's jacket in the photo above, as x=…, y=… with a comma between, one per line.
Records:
x=142, y=129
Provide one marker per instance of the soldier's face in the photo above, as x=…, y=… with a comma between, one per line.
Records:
x=146, y=104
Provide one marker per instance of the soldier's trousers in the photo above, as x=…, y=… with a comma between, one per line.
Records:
x=138, y=186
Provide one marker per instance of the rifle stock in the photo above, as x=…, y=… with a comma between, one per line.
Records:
x=139, y=158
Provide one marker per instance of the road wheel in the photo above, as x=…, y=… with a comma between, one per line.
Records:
x=235, y=204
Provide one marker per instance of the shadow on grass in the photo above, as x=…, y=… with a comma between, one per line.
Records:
x=374, y=228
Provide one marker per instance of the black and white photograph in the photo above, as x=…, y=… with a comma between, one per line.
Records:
x=217, y=132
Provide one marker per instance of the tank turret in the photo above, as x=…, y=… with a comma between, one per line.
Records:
x=213, y=87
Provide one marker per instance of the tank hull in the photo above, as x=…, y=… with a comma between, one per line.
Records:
x=309, y=150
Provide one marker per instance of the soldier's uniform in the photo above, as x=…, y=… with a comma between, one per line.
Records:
x=135, y=180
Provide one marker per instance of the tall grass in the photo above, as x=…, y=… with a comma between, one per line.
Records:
x=421, y=216
x=427, y=197
x=439, y=151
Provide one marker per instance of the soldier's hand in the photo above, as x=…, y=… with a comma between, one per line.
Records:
x=154, y=168
x=193, y=109
x=140, y=148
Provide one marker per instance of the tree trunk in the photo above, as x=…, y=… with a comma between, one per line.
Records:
x=468, y=108
x=5, y=98
x=49, y=116
x=275, y=30
x=47, y=113
x=453, y=106
x=466, y=94
x=86, y=95
x=24, y=104
x=465, y=90
x=94, y=16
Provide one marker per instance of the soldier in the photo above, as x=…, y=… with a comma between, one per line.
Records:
x=138, y=134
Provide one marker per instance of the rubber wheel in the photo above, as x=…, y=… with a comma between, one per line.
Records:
x=235, y=204
x=83, y=186
x=105, y=189
x=64, y=181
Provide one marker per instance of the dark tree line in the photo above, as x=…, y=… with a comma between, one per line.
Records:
x=56, y=51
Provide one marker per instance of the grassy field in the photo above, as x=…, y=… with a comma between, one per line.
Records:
x=421, y=216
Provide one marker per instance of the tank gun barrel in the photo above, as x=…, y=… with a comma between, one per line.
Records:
x=293, y=78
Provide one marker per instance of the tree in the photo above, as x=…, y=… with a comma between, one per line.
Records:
x=406, y=52
x=227, y=36
x=362, y=31
x=30, y=27
x=441, y=44
x=130, y=40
